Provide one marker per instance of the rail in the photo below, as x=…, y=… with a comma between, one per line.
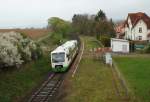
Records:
x=48, y=88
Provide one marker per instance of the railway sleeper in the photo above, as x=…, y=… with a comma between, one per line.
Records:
x=50, y=84
x=44, y=92
x=41, y=95
x=47, y=88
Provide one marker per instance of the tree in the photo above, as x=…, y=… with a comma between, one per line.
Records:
x=59, y=26
x=103, y=26
x=61, y=29
x=97, y=25
x=83, y=24
x=100, y=16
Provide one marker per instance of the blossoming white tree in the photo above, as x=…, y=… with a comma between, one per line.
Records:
x=15, y=49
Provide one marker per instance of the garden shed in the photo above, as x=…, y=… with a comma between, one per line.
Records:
x=119, y=45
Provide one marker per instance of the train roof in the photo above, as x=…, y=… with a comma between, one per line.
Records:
x=58, y=49
x=65, y=46
x=69, y=43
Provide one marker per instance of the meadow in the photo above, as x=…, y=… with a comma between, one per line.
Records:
x=136, y=70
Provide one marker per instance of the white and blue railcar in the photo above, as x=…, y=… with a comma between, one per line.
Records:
x=63, y=55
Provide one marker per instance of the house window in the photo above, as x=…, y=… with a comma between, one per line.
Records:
x=139, y=37
x=140, y=30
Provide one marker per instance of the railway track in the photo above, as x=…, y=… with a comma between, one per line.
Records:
x=48, y=90
x=76, y=62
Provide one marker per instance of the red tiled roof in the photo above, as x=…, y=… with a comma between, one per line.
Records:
x=135, y=17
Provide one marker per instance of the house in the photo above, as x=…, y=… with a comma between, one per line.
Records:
x=119, y=45
x=137, y=27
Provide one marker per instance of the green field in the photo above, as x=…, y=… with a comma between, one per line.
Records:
x=136, y=70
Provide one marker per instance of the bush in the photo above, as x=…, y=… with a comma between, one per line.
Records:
x=132, y=46
x=57, y=38
x=105, y=39
x=147, y=48
x=16, y=49
x=36, y=53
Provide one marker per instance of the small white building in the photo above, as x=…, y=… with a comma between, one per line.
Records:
x=137, y=26
x=119, y=45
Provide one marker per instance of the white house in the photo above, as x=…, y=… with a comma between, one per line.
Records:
x=119, y=45
x=137, y=26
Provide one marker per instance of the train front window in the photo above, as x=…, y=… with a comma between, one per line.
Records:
x=58, y=57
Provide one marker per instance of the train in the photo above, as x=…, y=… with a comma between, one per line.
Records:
x=63, y=56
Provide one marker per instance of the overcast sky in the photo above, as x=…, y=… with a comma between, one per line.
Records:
x=28, y=13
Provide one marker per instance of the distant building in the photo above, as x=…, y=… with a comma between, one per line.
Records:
x=137, y=27
x=119, y=45
x=119, y=28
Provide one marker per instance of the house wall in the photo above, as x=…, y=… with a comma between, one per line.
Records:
x=148, y=31
x=136, y=32
x=133, y=33
x=148, y=38
x=128, y=31
x=117, y=46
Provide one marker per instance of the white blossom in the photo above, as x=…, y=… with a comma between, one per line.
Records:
x=12, y=45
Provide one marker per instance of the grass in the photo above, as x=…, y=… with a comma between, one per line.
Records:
x=50, y=41
x=90, y=43
x=15, y=84
x=137, y=73
x=93, y=83
x=93, y=80
x=47, y=42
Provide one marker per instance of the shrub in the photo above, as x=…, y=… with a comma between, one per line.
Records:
x=16, y=49
x=57, y=38
x=105, y=39
x=147, y=48
x=132, y=46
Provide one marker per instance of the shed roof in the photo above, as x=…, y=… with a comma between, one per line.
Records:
x=121, y=40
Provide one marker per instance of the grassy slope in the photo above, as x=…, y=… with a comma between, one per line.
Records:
x=17, y=83
x=93, y=81
x=90, y=43
x=137, y=72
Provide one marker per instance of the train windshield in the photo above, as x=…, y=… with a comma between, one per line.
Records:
x=58, y=57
